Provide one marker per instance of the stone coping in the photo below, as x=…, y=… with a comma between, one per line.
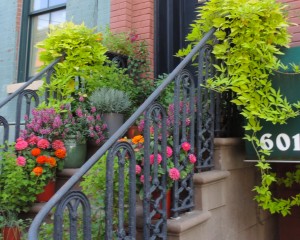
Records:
x=210, y=176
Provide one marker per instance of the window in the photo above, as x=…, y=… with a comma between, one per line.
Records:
x=36, y=18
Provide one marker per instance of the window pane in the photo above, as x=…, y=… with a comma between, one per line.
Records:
x=56, y=2
x=40, y=26
x=38, y=4
x=38, y=33
x=58, y=17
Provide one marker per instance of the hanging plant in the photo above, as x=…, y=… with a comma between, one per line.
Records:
x=250, y=34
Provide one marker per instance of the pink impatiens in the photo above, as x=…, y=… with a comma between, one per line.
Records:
x=174, y=174
x=186, y=146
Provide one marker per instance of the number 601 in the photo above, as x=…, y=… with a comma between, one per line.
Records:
x=283, y=142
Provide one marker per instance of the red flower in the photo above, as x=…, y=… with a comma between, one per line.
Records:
x=51, y=161
x=35, y=152
x=38, y=171
x=41, y=159
x=60, y=153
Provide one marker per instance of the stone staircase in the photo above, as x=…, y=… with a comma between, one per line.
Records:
x=224, y=205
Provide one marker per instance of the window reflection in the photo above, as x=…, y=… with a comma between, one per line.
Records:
x=40, y=27
x=40, y=4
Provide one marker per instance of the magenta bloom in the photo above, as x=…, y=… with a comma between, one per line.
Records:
x=159, y=158
x=93, y=109
x=81, y=99
x=58, y=144
x=33, y=140
x=43, y=144
x=192, y=158
x=79, y=113
x=138, y=169
x=169, y=152
x=174, y=174
x=186, y=146
x=21, y=145
x=21, y=161
x=142, y=178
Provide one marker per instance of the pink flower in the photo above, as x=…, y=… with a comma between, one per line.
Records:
x=21, y=161
x=81, y=99
x=142, y=178
x=43, y=144
x=192, y=158
x=32, y=140
x=138, y=169
x=58, y=144
x=93, y=109
x=159, y=158
x=174, y=174
x=21, y=145
x=186, y=146
x=169, y=152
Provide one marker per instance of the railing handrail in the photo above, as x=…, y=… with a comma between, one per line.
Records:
x=33, y=230
x=30, y=81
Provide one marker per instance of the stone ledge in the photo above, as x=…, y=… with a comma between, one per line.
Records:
x=67, y=172
x=187, y=221
x=228, y=141
x=210, y=176
x=11, y=88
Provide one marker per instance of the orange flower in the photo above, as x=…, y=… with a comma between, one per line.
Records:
x=37, y=171
x=138, y=139
x=35, y=152
x=41, y=159
x=123, y=139
x=51, y=161
x=60, y=153
x=99, y=38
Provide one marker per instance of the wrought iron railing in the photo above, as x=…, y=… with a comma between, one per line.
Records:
x=193, y=104
x=31, y=98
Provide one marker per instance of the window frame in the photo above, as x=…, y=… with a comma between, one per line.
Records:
x=25, y=36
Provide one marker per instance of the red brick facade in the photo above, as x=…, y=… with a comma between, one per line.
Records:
x=134, y=15
x=294, y=16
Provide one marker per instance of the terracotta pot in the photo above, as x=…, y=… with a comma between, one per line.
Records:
x=48, y=192
x=155, y=195
x=132, y=132
x=11, y=233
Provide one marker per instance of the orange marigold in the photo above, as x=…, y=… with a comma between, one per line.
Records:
x=38, y=171
x=35, y=152
x=138, y=139
x=41, y=159
x=51, y=161
x=60, y=153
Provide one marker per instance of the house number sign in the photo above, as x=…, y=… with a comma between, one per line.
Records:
x=282, y=141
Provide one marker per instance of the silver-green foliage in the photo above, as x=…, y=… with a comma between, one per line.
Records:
x=109, y=100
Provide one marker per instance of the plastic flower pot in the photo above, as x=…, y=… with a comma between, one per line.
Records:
x=11, y=233
x=155, y=196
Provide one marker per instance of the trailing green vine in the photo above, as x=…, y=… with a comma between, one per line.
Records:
x=250, y=34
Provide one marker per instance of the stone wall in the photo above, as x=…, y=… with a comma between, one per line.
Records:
x=225, y=209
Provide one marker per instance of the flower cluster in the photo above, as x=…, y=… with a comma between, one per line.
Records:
x=40, y=157
x=186, y=162
x=79, y=119
x=84, y=121
x=170, y=118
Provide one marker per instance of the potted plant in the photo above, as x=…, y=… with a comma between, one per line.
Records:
x=250, y=35
x=83, y=53
x=18, y=173
x=112, y=104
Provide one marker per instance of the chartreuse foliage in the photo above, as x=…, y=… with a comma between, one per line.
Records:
x=84, y=55
x=249, y=36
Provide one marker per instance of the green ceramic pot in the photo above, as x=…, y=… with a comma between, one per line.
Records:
x=76, y=153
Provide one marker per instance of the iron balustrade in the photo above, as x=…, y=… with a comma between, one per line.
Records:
x=31, y=98
x=193, y=104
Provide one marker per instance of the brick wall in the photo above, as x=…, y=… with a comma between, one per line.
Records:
x=134, y=15
x=294, y=17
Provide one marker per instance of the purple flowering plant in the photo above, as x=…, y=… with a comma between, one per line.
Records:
x=78, y=119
